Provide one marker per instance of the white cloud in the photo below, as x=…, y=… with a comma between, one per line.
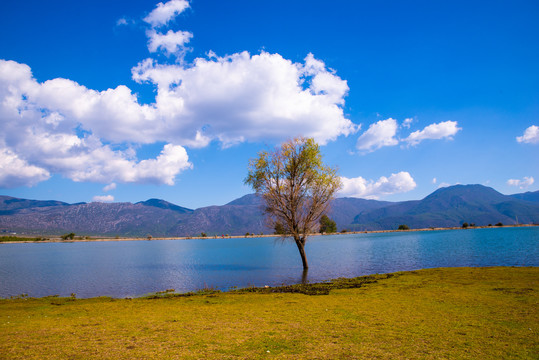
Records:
x=407, y=122
x=171, y=42
x=164, y=168
x=163, y=13
x=445, y=184
x=524, y=183
x=109, y=187
x=98, y=163
x=37, y=135
x=17, y=172
x=231, y=99
x=103, y=198
x=379, y=134
x=384, y=133
x=445, y=129
x=434, y=180
x=87, y=159
x=241, y=97
x=369, y=189
x=530, y=136
x=121, y=21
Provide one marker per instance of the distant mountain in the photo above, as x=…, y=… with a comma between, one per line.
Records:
x=162, y=204
x=528, y=196
x=10, y=205
x=451, y=206
x=250, y=199
x=123, y=219
x=445, y=207
x=344, y=210
x=238, y=217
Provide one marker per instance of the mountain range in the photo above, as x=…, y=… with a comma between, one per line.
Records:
x=446, y=207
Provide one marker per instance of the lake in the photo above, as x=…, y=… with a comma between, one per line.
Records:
x=135, y=268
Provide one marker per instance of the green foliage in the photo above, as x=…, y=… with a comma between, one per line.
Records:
x=327, y=225
x=203, y=234
x=69, y=236
x=403, y=227
x=278, y=229
x=499, y=224
x=465, y=225
x=21, y=239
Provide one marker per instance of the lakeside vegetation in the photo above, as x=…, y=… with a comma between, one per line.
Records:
x=12, y=238
x=464, y=313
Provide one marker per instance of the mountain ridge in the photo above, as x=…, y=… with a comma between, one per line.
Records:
x=450, y=207
x=445, y=207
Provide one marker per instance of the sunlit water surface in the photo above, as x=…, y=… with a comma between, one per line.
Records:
x=135, y=268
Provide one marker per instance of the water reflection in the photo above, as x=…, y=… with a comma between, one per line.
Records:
x=304, y=276
x=139, y=267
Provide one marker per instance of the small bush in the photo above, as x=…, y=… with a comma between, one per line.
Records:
x=403, y=227
x=203, y=234
x=465, y=225
x=278, y=229
x=327, y=225
x=499, y=224
x=69, y=236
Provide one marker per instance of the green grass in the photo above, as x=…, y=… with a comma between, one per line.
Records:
x=453, y=313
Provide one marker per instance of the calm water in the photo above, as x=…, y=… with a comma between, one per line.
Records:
x=134, y=268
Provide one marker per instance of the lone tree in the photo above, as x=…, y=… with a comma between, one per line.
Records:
x=296, y=186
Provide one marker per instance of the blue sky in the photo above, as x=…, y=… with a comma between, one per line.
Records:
x=130, y=100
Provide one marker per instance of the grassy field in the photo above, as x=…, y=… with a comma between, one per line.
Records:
x=456, y=313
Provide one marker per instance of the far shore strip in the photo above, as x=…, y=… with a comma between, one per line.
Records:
x=52, y=239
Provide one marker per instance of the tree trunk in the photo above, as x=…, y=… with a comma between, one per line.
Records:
x=301, y=248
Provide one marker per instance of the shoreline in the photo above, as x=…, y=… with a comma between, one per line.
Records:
x=462, y=313
x=57, y=239
x=315, y=288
